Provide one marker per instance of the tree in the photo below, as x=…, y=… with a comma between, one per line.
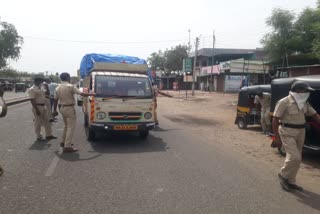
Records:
x=156, y=61
x=174, y=57
x=280, y=43
x=10, y=43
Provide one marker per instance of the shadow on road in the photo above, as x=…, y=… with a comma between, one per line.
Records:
x=40, y=145
x=127, y=143
x=74, y=157
x=189, y=119
x=159, y=129
x=308, y=198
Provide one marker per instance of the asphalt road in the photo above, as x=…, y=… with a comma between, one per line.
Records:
x=174, y=171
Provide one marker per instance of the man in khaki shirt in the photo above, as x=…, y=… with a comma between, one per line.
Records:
x=39, y=110
x=289, y=129
x=65, y=94
x=3, y=112
x=264, y=100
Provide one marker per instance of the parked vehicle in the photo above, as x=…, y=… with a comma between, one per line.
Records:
x=247, y=114
x=280, y=88
x=20, y=87
x=124, y=99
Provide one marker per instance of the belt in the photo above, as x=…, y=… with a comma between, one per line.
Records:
x=67, y=105
x=40, y=104
x=293, y=126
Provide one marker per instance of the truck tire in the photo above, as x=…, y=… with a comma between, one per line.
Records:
x=91, y=134
x=143, y=134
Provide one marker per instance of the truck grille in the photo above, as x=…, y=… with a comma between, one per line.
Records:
x=125, y=115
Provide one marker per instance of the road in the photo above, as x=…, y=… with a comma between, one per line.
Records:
x=174, y=171
x=11, y=95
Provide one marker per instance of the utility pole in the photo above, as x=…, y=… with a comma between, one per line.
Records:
x=194, y=65
x=213, y=44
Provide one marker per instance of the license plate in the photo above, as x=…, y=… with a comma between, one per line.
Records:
x=125, y=127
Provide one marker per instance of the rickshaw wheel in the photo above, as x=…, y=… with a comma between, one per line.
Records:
x=282, y=151
x=242, y=124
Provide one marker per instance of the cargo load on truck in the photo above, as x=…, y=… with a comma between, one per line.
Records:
x=117, y=63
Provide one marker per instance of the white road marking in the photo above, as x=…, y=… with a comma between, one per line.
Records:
x=52, y=166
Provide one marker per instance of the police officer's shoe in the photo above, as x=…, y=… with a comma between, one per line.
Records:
x=1, y=171
x=51, y=137
x=295, y=187
x=62, y=145
x=284, y=183
x=69, y=150
x=39, y=139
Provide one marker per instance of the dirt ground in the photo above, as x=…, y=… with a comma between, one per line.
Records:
x=212, y=116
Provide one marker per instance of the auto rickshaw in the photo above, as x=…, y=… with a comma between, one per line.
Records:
x=247, y=114
x=280, y=88
x=20, y=87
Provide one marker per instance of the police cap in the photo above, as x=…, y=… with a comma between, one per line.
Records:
x=301, y=85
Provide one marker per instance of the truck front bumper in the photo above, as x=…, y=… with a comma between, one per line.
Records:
x=126, y=127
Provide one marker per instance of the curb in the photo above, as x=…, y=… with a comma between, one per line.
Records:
x=17, y=101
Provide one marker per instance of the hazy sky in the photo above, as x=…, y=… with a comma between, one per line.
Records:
x=58, y=33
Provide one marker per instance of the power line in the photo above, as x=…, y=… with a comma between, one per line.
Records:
x=102, y=42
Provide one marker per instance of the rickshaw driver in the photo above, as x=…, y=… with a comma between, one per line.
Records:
x=264, y=99
x=289, y=129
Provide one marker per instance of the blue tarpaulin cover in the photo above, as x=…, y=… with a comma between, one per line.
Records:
x=88, y=61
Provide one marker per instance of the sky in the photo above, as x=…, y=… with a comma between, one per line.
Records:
x=57, y=34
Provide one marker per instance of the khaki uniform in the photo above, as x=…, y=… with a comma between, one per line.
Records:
x=292, y=138
x=47, y=102
x=40, y=120
x=265, y=103
x=65, y=93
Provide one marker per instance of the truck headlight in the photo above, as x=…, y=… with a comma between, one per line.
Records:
x=148, y=116
x=101, y=115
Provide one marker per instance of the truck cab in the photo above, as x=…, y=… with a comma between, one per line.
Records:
x=124, y=100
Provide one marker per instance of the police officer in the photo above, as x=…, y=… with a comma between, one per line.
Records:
x=65, y=94
x=3, y=112
x=289, y=129
x=264, y=100
x=39, y=110
x=46, y=91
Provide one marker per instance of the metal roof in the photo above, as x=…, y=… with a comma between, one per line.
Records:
x=221, y=51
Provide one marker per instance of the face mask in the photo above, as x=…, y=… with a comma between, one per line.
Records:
x=300, y=98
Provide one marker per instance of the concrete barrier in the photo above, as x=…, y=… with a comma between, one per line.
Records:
x=18, y=100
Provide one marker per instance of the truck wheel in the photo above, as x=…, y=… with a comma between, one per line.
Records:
x=91, y=134
x=242, y=124
x=143, y=134
x=282, y=151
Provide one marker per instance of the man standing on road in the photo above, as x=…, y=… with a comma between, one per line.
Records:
x=38, y=99
x=52, y=89
x=289, y=129
x=65, y=93
x=3, y=112
x=264, y=100
x=47, y=95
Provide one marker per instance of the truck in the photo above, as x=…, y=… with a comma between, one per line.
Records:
x=124, y=97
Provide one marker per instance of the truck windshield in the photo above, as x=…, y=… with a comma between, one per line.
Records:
x=120, y=86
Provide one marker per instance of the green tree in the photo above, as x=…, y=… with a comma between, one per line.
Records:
x=281, y=42
x=10, y=43
x=174, y=57
x=156, y=61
